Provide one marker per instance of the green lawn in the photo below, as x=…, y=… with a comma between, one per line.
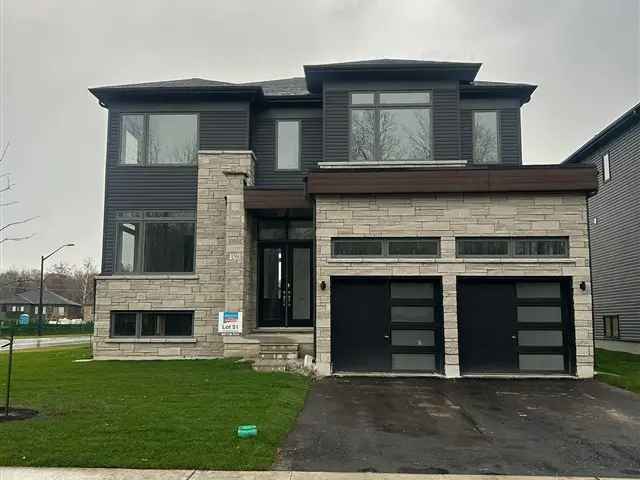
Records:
x=619, y=369
x=149, y=414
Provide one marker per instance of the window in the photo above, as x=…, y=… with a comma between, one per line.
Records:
x=606, y=170
x=152, y=324
x=611, y=326
x=288, y=145
x=485, y=137
x=513, y=247
x=385, y=247
x=282, y=229
x=390, y=126
x=155, y=241
x=159, y=139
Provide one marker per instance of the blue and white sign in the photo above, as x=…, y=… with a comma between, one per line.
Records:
x=23, y=319
x=230, y=323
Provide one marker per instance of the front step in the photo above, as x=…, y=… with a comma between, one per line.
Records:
x=276, y=357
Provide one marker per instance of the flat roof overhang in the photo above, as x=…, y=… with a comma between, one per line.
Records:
x=260, y=199
x=467, y=179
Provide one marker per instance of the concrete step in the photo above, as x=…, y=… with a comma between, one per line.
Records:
x=275, y=365
x=278, y=355
x=279, y=347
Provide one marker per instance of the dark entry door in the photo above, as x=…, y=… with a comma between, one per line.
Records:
x=360, y=327
x=487, y=320
x=285, y=285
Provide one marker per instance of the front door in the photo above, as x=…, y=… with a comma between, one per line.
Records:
x=285, y=285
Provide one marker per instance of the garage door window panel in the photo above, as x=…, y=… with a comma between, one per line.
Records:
x=542, y=333
x=414, y=333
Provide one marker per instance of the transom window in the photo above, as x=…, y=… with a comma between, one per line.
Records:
x=151, y=324
x=385, y=247
x=155, y=241
x=159, y=139
x=390, y=126
x=485, y=137
x=512, y=247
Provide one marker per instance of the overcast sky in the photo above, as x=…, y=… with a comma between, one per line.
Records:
x=584, y=55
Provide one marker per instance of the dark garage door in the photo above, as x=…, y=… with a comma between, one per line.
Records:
x=515, y=326
x=386, y=325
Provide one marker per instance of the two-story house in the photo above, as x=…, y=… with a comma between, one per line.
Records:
x=375, y=215
x=614, y=229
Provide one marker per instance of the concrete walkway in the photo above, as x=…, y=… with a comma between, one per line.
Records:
x=23, y=343
x=8, y=473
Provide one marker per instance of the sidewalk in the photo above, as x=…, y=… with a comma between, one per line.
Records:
x=24, y=343
x=10, y=473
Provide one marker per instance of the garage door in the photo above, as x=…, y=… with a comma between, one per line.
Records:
x=509, y=326
x=386, y=325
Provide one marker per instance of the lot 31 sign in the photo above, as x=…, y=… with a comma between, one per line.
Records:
x=230, y=323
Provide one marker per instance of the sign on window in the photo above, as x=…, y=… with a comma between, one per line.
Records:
x=230, y=323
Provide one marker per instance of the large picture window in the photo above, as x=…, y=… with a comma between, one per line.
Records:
x=485, y=137
x=390, y=126
x=155, y=241
x=152, y=324
x=159, y=139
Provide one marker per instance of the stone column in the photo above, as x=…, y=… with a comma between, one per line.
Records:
x=450, y=310
x=222, y=176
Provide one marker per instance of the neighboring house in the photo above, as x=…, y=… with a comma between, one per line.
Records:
x=614, y=228
x=373, y=214
x=28, y=301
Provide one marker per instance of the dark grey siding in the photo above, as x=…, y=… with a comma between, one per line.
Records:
x=221, y=126
x=615, y=238
x=336, y=126
x=264, y=146
x=509, y=128
x=445, y=114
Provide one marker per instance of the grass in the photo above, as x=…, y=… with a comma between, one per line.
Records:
x=619, y=369
x=150, y=414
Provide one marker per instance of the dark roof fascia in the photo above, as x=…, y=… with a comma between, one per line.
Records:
x=107, y=95
x=317, y=74
x=292, y=99
x=520, y=91
x=605, y=134
x=469, y=179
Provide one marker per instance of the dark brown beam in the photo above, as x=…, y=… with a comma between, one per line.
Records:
x=264, y=199
x=547, y=178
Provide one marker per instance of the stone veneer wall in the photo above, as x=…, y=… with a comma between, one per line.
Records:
x=222, y=279
x=447, y=216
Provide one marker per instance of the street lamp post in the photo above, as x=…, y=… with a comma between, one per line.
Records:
x=42, y=259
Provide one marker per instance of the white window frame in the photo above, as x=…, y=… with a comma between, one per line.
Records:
x=299, y=146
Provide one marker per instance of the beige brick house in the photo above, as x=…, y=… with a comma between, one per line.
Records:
x=374, y=215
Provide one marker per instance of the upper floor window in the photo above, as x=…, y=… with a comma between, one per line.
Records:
x=606, y=171
x=287, y=145
x=485, y=137
x=159, y=139
x=390, y=126
x=155, y=241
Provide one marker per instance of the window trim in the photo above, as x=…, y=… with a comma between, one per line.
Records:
x=604, y=325
x=384, y=246
x=377, y=107
x=606, y=167
x=145, y=144
x=275, y=144
x=511, y=247
x=138, y=334
x=498, y=133
x=189, y=217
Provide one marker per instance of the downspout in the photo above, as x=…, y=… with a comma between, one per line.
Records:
x=593, y=316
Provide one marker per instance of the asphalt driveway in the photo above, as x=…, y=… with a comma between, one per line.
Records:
x=517, y=427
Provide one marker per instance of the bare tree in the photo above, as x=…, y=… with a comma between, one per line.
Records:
x=485, y=144
x=7, y=228
x=84, y=278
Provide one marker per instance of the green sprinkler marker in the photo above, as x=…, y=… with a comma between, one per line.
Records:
x=247, y=431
